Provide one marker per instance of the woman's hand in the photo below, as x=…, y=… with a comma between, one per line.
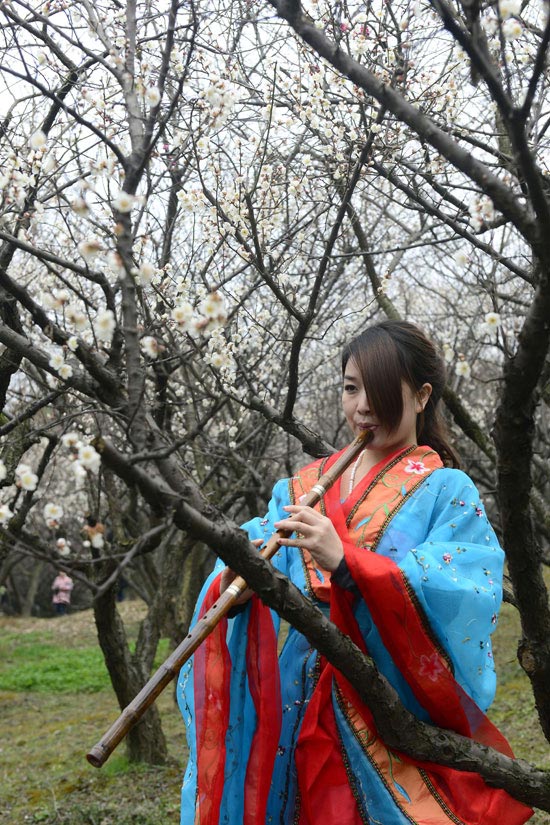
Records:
x=316, y=534
x=228, y=575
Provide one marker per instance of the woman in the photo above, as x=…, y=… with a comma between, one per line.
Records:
x=401, y=556
x=62, y=587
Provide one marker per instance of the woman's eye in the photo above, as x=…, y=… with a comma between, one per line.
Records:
x=349, y=387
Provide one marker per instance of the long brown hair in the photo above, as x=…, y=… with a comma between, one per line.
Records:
x=389, y=353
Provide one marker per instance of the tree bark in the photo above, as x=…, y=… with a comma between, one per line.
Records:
x=146, y=741
x=28, y=601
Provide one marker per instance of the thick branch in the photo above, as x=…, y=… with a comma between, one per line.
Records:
x=312, y=444
x=79, y=381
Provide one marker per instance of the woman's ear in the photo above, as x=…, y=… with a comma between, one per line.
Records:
x=423, y=396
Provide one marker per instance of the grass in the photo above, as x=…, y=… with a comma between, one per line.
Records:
x=42, y=667
x=56, y=702
x=39, y=664
x=514, y=708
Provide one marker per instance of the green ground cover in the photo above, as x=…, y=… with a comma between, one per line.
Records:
x=56, y=702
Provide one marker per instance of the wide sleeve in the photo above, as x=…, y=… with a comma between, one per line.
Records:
x=433, y=588
x=456, y=574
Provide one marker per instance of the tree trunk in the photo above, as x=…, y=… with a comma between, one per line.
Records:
x=514, y=435
x=146, y=741
x=28, y=601
x=187, y=568
x=15, y=595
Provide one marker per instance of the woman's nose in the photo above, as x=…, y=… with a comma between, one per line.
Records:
x=363, y=402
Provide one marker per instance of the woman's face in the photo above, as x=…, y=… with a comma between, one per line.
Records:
x=359, y=416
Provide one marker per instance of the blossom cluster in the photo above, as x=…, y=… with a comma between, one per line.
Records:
x=85, y=456
x=482, y=211
x=58, y=363
x=25, y=478
x=211, y=315
x=53, y=514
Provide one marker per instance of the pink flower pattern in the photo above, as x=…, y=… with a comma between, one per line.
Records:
x=416, y=467
x=431, y=667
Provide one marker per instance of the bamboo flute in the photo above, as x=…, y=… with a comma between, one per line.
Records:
x=133, y=712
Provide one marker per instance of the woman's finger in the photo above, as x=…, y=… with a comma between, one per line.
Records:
x=305, y=514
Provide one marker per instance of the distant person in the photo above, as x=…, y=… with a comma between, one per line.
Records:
x=62, y=587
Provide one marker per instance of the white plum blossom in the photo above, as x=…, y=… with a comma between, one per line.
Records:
x=48, y=165
x=124, y=202
x=72, y=343
x=3, y=471
x=213, y=314
x=90, y=249
x=70, y=439
x=217, y=360
x=53, y=513
x=79, y=471
x=57, y=359
x=191, y=200
x=97, y=541
x=5, y=514
x=183, y=314
x=490, y=24
x=213, y=306
x=38, y=140
x=65, y=371
x=385, y=281
x=491, y=324
x=145, y=274
x=509, y=8
x=461, y=258
x=448, y=353
x=80, y=206
x=512, y=29
x=88, y=457
x=25, y=478
x=463, y=369
x=76, y=317
x=63, y=547
x=104, y=325
x=52, y=300
x=152, y=96
x=150, y=346
x=492, y=319
x=481, y=210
